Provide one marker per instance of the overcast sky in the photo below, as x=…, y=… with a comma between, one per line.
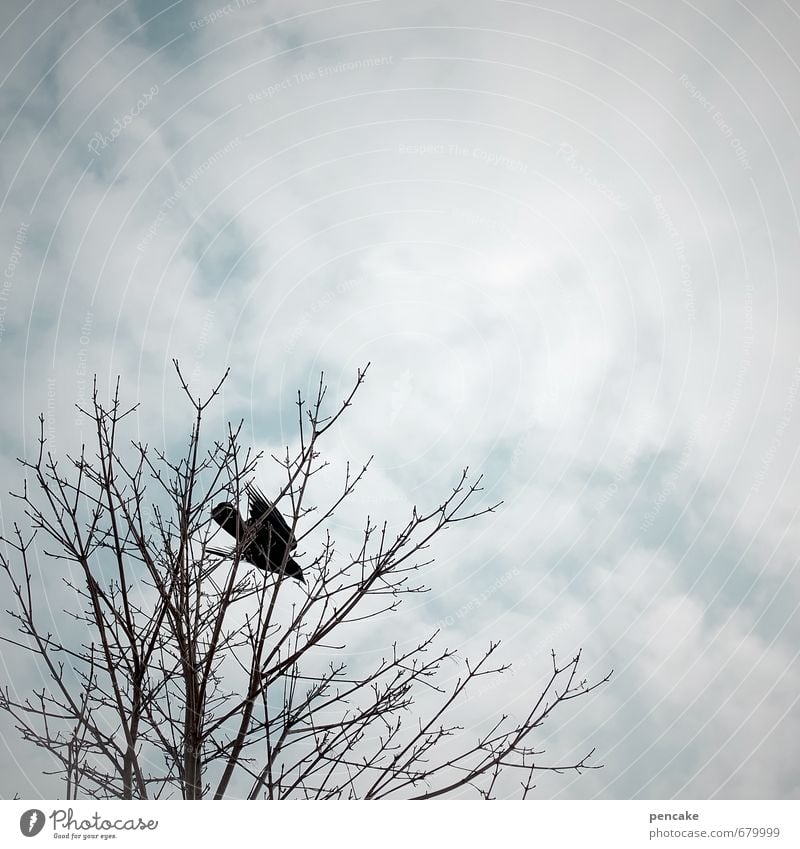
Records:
x=567, y=240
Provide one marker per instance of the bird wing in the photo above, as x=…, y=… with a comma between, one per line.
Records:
x=260, y=505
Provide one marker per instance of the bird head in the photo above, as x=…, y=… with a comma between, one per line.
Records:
x=226, y=515
x=224, y=512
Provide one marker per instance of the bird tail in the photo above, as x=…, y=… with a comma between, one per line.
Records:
x=293, y=570
x=219, y=552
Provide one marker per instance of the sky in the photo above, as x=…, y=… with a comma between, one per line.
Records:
x=565, y=237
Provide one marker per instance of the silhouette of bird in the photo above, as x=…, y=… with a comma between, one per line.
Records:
x=264, y=539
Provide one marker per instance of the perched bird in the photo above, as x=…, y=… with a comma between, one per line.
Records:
x=262, y=540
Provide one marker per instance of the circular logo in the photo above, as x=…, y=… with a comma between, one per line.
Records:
x=31, y=822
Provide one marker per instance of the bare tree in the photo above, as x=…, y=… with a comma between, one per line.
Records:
x=180, y=672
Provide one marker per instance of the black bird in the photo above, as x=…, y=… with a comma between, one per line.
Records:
x=264, y=539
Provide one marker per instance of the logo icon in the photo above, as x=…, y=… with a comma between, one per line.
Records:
x=31, y=822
